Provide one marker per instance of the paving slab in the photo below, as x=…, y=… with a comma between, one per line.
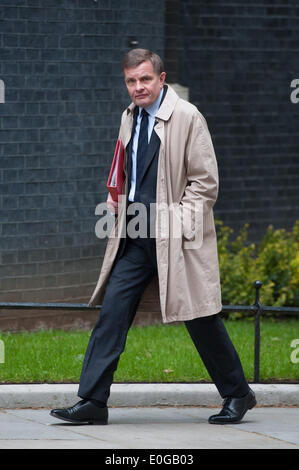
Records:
x=151, y=428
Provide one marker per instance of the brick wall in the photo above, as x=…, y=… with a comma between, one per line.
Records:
x=238, y=59
x=64, y=92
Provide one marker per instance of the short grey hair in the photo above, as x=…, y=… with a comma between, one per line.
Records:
x=135, y=57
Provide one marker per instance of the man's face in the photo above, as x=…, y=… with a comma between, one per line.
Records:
x=144, y=84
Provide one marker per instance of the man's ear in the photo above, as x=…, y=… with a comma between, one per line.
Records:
x=162, y=78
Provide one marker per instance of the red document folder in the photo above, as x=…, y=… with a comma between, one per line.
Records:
x=116, y=175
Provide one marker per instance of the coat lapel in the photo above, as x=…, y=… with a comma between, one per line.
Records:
x=127, y=125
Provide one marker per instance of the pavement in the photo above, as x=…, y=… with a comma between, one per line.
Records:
x=148, y=416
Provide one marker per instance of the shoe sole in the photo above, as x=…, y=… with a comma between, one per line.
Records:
x=78, y=421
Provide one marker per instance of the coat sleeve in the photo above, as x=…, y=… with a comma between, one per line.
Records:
x=201, y=190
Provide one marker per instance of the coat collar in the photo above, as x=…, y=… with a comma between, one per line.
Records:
x=167, y=106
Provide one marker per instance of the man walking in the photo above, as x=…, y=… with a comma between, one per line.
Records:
x=169, y=163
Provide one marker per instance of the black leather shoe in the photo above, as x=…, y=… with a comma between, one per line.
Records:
x=83, y=412
x=234, y=409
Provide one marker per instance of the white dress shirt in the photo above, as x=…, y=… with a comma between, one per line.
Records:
x=152, y=111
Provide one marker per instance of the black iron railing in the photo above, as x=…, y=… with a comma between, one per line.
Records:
x=257, y=309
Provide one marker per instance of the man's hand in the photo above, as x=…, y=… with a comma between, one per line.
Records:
x=112, y=205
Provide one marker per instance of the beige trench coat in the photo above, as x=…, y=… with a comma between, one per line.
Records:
x=187, y=180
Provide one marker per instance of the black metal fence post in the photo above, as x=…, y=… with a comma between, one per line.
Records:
x=257, y=331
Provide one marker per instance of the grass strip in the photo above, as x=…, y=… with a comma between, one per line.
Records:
x=161, y=353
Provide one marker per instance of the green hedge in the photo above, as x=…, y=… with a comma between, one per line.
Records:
x=274, y=261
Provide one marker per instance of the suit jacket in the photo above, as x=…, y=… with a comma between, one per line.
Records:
x=148, y=182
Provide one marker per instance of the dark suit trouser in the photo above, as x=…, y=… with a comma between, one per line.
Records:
x=131, y=273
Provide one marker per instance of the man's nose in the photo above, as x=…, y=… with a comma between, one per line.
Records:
x=139, y=85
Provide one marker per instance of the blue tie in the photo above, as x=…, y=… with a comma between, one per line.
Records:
x=141, y=150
